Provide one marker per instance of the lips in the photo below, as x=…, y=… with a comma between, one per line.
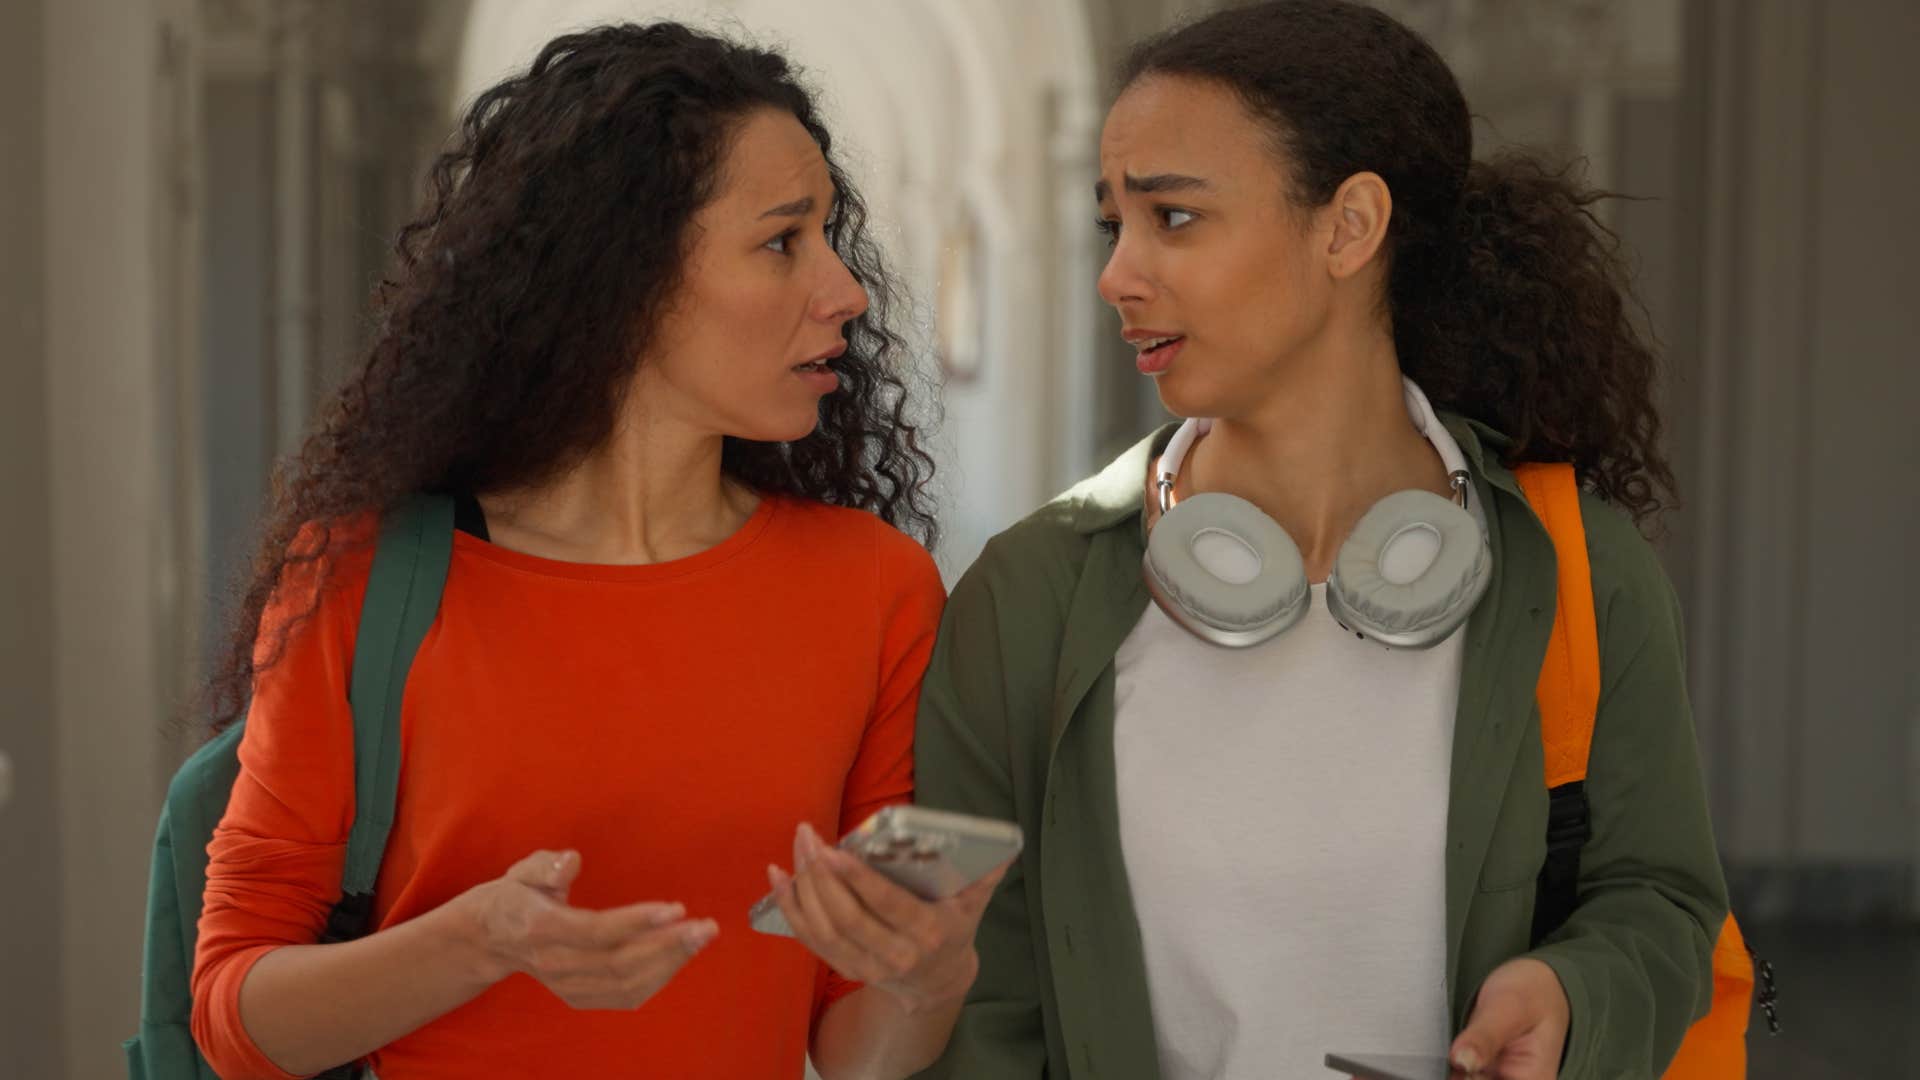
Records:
x=1157, y=348
x=821, y=365
x=818, y=372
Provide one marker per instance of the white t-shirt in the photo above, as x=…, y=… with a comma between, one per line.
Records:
x=1283, y=817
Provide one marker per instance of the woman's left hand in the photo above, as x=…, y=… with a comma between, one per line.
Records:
x=873, y=931
x=1518, y=1027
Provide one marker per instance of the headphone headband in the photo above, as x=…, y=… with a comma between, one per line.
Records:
x=1419, y=410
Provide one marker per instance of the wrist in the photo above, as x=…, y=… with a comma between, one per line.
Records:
x=946, y=987
x=461, y=929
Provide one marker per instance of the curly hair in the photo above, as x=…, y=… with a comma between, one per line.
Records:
x=1509, y=300
x=553, y=238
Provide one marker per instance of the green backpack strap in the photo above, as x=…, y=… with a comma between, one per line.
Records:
x=403, y=597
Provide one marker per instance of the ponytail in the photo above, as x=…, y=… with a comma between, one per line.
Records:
x=1518, y=315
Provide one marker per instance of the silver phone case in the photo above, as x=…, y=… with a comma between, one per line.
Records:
x=930, y=853
x=1394, y=1066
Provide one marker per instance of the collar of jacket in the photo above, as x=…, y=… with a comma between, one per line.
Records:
x=1506, y=641
x=1118, y=491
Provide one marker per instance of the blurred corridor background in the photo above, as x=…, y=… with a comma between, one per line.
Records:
x=196, y=196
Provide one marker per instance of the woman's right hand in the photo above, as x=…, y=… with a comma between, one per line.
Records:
x=612, y=959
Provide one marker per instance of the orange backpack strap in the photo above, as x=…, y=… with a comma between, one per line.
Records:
x=1568, y=692
x=1569, y=697
x=1569, y=689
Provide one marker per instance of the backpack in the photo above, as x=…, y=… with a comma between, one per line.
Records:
x=403, y=596
x=1569, y=694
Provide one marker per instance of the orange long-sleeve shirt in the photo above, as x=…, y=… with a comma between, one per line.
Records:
x=673, y=723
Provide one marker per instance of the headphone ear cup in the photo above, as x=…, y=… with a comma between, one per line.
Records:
x=1373, y=594
x=1237, y=610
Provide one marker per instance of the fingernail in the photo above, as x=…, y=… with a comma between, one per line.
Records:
x=802, y=852
x=775, y=878
x=700, y=935
x=1466, y=1061
x=670, y=913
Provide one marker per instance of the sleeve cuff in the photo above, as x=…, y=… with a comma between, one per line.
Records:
x=1577, y=1059
x=223, y=1038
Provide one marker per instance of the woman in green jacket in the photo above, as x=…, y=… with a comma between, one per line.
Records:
x=1284, y=788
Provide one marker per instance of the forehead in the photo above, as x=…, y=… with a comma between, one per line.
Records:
x=772, y=160
x=1174, y=124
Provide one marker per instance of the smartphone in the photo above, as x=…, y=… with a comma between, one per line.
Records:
x=1395, y=1066
x=930, y=853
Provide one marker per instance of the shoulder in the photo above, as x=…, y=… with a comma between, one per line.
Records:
x=1632, y=595
x=816, y=520
x=1046, y=540
x=1044, y=553
x=1630, y=586
x=343, y=546
x=1030, y=569
x=321, y=579
x=862, y=543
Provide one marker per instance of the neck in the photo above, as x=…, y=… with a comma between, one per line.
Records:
x=1322, y=446
x=652, y=493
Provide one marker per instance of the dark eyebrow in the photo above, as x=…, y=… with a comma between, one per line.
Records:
x=796, y=208
x=1150, y=185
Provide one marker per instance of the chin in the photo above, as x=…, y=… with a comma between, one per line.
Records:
x=1214, y=393
x=800, y=431
x=1185, y=396
x=779, y=429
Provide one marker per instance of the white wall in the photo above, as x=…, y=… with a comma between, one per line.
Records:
x=30, y=919
x=1798, y=399
x=237, y=381
x=1858, y=703
x=109, y=408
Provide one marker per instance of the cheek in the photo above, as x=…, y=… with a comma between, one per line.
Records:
x=1241, y=294
x=1277, y=292
x=750, y=303
x=1252, y=303
x=730, y=326
x=729, y=349
x=735, y=309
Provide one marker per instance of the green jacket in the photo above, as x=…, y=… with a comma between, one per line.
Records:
x=1017, y=718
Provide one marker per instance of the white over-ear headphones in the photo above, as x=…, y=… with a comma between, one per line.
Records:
x=1408, y=576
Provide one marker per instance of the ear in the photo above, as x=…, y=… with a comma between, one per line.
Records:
x=1360, y=212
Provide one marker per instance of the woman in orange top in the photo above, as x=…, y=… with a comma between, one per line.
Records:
x=639, y=334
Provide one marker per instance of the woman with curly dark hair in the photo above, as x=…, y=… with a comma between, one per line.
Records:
x=639, y=336
x=1264, y=689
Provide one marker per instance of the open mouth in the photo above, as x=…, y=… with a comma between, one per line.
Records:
x=1153, y=346
x=1156, y=354
x=823, y=363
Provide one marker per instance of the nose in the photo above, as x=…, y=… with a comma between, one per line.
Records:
x=841, y=297
x=1122, y=280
